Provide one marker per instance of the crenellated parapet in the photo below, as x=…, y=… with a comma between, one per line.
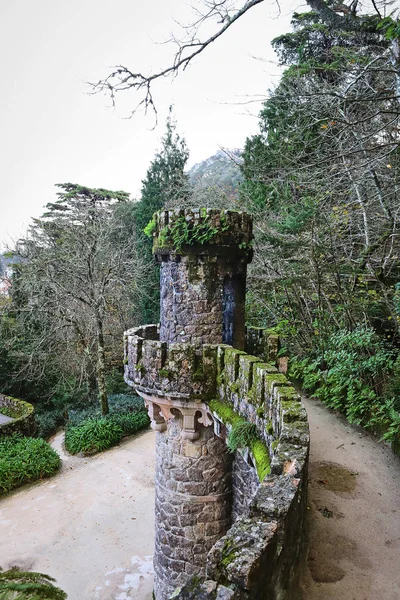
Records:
x=203, y=231
x=178, y=370
x=257, y=558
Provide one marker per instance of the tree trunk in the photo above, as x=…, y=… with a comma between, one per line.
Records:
x=101, y=367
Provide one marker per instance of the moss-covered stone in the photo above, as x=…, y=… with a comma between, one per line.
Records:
x=224, y=412
x=274, y=380
x=261, y=457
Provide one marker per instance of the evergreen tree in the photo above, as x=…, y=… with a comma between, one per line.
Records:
x=321, y=176
x=165, y=182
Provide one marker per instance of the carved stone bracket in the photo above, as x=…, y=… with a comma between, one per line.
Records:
x=162, y=408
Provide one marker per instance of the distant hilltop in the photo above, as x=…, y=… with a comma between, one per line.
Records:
x=221, y=170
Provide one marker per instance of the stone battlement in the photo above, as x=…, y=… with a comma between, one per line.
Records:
x=204, y=231
x=258, y=556
x=22, y=414
x=180, y=369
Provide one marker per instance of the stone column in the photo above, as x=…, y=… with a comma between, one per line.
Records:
x=193, y=504
x=203, y=256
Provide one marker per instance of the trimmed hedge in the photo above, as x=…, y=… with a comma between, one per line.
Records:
x=23, y=460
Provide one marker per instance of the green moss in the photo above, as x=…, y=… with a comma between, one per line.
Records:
x=269, y=428
x=274, y=445
x=140, y=367
x=234, y=387
x=125, y=361
x=228, y=552
x=13, y=413
x=293, y=411
x=275, y=380
x=261, y=458
x=289, y=393
x=260, y=412
x=165, y=373
x=220, y=380
x=198, y=375
x=225, y=412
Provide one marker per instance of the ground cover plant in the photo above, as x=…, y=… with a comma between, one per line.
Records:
x=356, y=373
x=24, y=460
x=89, y=432
x=20, y=585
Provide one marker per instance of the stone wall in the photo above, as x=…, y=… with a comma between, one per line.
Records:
x=178, y=368
x=245, y=483
x=24, y=422
x=258, y=556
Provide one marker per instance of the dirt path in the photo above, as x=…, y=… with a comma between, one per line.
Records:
x=354, y=513
x=91, y=526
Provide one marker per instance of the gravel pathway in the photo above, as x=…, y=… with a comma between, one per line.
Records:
x=91, y=526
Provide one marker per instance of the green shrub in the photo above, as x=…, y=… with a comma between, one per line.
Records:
x=23, y=460
x=20, y=585
x=358, y=375
x=48, y=421
x=126, y=403
x=130, y=422
x=92, y=435
x=117, y=403
x=96, y=433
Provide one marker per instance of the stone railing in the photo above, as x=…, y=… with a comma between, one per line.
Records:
x=22, y=415
x=258, y=557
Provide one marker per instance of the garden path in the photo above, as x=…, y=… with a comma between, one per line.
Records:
x=354, y=513
x=91, y=526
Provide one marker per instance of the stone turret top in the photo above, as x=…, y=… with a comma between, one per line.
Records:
x=201, y=231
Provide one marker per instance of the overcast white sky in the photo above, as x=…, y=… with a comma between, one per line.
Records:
x=52, y=131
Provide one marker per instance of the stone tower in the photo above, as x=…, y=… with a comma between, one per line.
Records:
x=203, y=255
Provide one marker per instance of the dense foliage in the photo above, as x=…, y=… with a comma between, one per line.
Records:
x=24, y=460
x=81, y=277
x=322, y=179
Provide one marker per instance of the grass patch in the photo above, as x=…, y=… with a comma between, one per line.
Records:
x=24, y=460
x=243, y=434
